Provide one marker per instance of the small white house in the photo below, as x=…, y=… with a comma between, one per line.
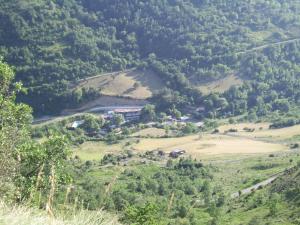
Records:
x=176, y=153
x=129, y=114
x=184, y=118
x=77, y=123
x=199, y=124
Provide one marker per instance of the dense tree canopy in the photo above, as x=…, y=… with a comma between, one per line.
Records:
x=52, y=43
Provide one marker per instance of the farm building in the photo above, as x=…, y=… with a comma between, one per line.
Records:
x=184, y=118
x=176, y=153
x=199, y=124
x=76, y=124
x=129, y=114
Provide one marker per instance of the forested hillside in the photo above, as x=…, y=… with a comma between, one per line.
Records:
x=52, y=43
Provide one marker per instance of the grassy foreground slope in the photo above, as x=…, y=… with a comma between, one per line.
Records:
x=21, y=215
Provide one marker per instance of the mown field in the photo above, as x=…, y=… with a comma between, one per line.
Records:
x=208, y=145
x=150, y=132
x=200, y=147
x=220, y=85
x=135, y=84
x=96, y=150
x=241, y=126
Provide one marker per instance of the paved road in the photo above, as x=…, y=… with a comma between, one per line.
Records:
x=254, y=187
x=257, y=186
x=110, y=108
x=91, y=110
x=268, y=45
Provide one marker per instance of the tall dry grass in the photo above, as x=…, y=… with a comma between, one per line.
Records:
x=20, y=215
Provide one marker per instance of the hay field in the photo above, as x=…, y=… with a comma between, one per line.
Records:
x=240, y=127
x=95, y=150
x=216, y=146
x=276, y=134
x=264, y=133
x=133, y=83
x=209, y=145
x=150, y=132
x=220, y=85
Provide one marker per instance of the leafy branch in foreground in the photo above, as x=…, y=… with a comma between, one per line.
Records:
x=27, y=168
x=14, y=126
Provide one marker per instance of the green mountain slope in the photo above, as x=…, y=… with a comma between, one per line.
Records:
x=52, y=43
x=277, y=204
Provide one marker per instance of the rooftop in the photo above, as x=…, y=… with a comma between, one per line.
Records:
x=127, y=110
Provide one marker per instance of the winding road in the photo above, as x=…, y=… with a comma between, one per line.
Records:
x=91, y=110
x=268, y=45
x=254, y=187
x=257, y=186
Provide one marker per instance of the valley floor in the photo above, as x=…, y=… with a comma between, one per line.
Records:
x=240, y=159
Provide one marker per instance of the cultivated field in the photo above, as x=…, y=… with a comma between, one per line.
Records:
x=135, y=84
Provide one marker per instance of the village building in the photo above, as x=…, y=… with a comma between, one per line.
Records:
x=150, y=124
x=199, y=124
x=184, y=118
x=129, y=114
x=176, y=153
x=103, y=132
x=76, y=124
x=200, y=109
